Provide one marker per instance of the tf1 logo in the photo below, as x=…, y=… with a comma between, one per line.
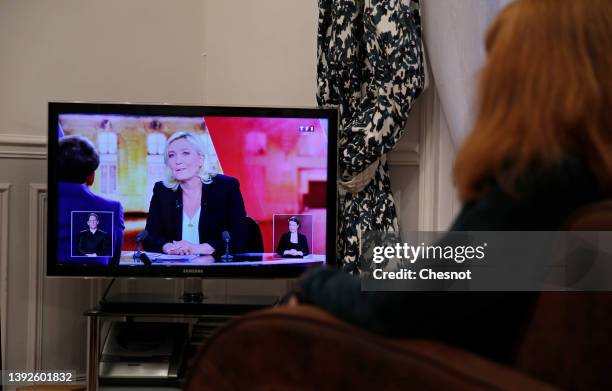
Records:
x=306, y=129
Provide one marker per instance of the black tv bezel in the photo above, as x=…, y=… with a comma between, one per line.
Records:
x=56, y=269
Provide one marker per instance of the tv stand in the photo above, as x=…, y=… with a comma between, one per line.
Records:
x=193, y=297
x=193, y=291
x=136, y=306
x=139, y=304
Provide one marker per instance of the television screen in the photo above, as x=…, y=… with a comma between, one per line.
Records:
x=161, y=190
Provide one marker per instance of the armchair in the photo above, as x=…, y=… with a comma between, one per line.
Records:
x=567, y=346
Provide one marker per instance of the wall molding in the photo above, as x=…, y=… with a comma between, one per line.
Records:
x=22, y=146
x=4, y=237
x=22, y=139
x=36, y=265
x=404, y=155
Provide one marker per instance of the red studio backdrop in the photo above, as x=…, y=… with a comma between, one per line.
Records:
x=281, y=164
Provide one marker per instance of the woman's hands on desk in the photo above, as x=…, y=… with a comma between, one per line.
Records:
x=176, y=248
x=293, y=252
x=183, y=247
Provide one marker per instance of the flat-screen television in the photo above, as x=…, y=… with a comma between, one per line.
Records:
x=184, y=191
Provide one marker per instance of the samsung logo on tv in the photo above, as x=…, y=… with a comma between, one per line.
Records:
x=193, y=271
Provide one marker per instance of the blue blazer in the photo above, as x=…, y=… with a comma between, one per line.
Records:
x=222, y=209
x=78, y=197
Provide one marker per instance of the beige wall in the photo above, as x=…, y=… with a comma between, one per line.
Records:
x=189, y=51
x=111, y=50
x=261, y=52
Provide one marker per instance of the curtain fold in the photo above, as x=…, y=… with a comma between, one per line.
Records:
x=454, y=33
x=370, y=66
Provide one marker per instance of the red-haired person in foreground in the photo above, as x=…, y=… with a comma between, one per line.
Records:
x=540, y=148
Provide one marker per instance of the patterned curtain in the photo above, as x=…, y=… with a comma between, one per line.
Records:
x=370, y=66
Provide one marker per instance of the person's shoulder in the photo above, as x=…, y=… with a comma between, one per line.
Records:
x=115, y=205
x=162, y=190
x=102, y=201
x=102, y=232
x=83, y=232
x=73, y=191
x=160, y=187
x=225, y=180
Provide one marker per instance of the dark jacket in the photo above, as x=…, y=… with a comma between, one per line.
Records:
x=90, y=243
x=222, y=209
x=285, y=244
x=488, y=323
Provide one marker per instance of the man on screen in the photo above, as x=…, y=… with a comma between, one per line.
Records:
x=93, y=242
x=78, y=161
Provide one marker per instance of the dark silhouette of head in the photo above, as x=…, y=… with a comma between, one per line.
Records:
x=78, y=160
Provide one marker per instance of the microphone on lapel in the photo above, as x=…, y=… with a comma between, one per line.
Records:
x=178, y=204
